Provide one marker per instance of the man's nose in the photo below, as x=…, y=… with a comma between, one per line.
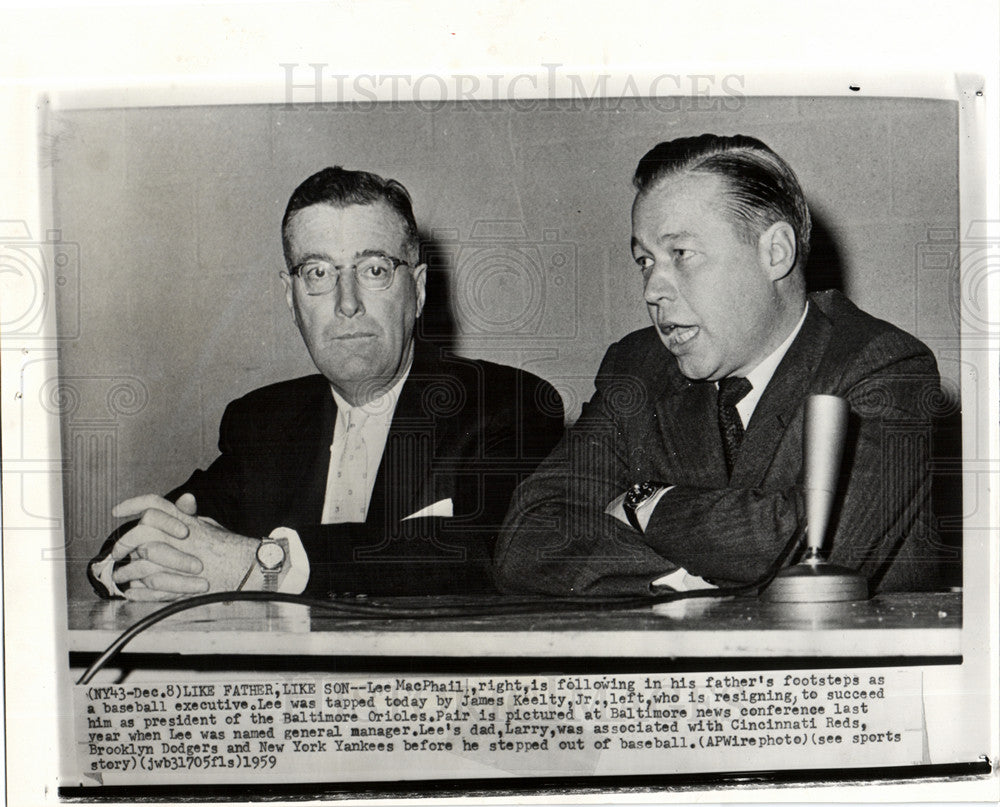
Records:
x=349, y=302
x=660, y=286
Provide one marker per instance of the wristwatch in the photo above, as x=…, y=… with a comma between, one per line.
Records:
x=637, y=494
x=271, y=556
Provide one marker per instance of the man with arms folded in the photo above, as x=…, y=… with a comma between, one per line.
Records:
x=686, y=465
x=388, y=473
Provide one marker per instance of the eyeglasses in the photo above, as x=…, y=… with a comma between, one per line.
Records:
x=374, y=274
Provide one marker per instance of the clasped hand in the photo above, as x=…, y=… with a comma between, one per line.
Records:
x=174, y=552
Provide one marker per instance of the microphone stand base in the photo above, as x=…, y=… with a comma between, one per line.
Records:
x=816, y=582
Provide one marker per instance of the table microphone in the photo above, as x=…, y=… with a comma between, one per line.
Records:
x=815, y=580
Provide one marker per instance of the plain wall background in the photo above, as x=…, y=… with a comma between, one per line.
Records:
x=175, y=307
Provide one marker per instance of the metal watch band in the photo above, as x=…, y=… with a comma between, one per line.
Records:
x=272, y=571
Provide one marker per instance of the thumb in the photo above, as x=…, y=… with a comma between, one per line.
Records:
x=187, y=504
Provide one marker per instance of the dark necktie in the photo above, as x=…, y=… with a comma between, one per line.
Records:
x=731, y=392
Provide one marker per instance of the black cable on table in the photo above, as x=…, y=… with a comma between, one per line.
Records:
x=505, y=606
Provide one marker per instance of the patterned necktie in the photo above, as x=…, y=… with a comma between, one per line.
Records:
x=731, y=391
x=347, y=480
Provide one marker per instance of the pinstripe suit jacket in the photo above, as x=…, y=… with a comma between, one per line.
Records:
x=646, y=421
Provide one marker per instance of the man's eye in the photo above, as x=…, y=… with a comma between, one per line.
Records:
x=314, y=271
x=683, y=254
x=644, y=263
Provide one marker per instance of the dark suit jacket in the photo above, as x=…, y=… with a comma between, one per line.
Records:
x=647, y=422
x=463, y=429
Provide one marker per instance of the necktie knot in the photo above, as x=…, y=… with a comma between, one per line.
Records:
x=732, y=390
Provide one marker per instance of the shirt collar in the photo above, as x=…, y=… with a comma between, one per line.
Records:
x=381, y=407
x=761, y=375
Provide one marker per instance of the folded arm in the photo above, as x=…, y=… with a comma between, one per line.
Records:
x=558, y=539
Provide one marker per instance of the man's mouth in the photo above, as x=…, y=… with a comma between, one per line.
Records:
x=677, y=335
x=349, y=336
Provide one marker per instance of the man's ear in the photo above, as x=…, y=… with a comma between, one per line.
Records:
x=419, y=274
x=776, y=249
x=290, y=296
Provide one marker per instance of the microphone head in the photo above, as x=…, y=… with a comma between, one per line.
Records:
x=825, y=430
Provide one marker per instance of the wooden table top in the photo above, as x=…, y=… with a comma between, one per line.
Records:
x=904, y=625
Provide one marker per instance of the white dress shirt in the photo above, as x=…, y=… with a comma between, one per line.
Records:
x=359, y=437
x=356, y=453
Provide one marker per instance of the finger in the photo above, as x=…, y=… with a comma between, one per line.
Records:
x=139, y=571
x=177, y=583
x=136, y=539
x=187, y=504
x=139, y=594
x=173, y=559
x=136, y=570
x=165, y=523
x=137, y=505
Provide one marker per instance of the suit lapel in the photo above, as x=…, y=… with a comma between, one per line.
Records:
x=782, y=400
x=409, y=448
x=686, y=424
x=689, y=430
x=310, y=433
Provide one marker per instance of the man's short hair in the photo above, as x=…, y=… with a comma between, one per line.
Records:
x=340, y=187
x=761, y=188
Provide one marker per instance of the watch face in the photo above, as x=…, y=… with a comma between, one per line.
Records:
x=638, y=493
x=270, y=555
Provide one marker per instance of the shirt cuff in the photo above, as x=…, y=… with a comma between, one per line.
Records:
x=678, y=579
x=643, y=512
x=294, y=576
x=681, y=580
x=102, y=571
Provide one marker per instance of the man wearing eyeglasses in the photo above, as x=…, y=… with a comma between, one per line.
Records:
x=387, y=473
